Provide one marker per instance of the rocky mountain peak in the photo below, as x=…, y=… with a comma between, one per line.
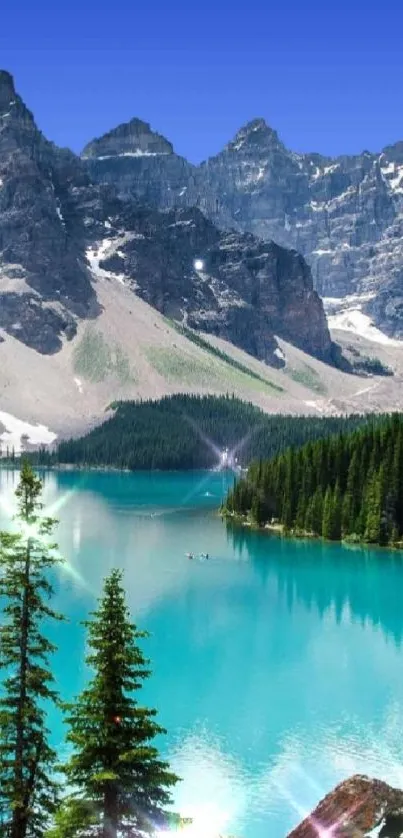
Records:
x=131, y=139
x=11, y=104
x=255, y=135
x=393, y=153
x=7, y=89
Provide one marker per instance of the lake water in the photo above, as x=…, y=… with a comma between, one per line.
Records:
x=278, y=667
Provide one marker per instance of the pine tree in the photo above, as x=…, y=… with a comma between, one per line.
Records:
x=286, y=514
x=73, y=818
x=336, y=513
x=308, y=521
x=327, y=520
x=114, y=764
x=258, y=510
x=317, y=512
x=351, y=497
x=377, y=528
x=27, y=790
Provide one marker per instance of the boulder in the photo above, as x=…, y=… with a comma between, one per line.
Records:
x=357, y=808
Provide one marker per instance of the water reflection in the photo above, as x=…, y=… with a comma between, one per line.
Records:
x=350, y=581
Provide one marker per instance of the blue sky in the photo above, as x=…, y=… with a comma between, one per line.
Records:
x=328, y=76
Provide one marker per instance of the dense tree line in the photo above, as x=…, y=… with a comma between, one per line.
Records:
x=118, y=785
x=188, y=432
x=343, y=486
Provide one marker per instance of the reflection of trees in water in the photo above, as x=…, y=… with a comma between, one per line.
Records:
x=367, y=583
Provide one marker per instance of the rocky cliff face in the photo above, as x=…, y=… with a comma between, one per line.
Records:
x=44, y=281
x=61, y=228
x=228, y=284
x=141, y=164
x=345, y=215
x=356, y=808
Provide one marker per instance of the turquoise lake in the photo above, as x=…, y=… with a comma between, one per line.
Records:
x=277, y=665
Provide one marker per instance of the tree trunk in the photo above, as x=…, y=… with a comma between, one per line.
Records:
x=110, y=826
x=19, y=818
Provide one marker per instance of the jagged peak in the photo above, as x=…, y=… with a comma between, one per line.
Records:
x=255, y=133
x=11, y=104
x=7, y=90
x=7, y=81
x=129, y=138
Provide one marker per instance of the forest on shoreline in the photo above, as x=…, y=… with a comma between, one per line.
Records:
x=345, y=487
x=183, y=432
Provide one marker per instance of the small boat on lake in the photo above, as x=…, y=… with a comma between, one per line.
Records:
x=189, y=555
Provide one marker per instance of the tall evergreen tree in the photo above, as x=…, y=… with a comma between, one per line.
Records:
x=114, y=764
x=327, y=520
x=317, y=511
x=350, y=503
x=336, y=513
x=374, y=529
x=27, y=789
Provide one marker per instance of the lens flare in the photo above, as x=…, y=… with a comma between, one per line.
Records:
x=34, y=531
x=322, y=830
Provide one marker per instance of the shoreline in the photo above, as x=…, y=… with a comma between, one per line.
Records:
x=278, y=529
x=115, y=469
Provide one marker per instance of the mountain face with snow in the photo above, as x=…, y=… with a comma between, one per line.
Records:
x=65, y=222
x=239, y=288
x=344, y=214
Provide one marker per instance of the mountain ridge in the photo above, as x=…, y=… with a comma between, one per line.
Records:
x=57, y=224
x=111, y=288
x=344, y=213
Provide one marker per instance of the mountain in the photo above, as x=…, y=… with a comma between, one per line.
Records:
x=45, y=284
x=228, y=284
x=344, y=214
x=58, y=229
x=109, y=293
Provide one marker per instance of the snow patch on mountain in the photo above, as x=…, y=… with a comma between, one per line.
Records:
x=279, y=353
x=345, y=314
x=333, y=305
x=16, y=429
x=59, y=212
x=137, y=153
x=104, y=250
x=356, y=321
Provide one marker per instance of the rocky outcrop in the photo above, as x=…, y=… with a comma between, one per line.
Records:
x=44, y=281
x=229, y=284
x=356, y=808
x=345, y=215
x=62, y=228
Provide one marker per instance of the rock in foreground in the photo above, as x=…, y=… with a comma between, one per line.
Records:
x=356, y=808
